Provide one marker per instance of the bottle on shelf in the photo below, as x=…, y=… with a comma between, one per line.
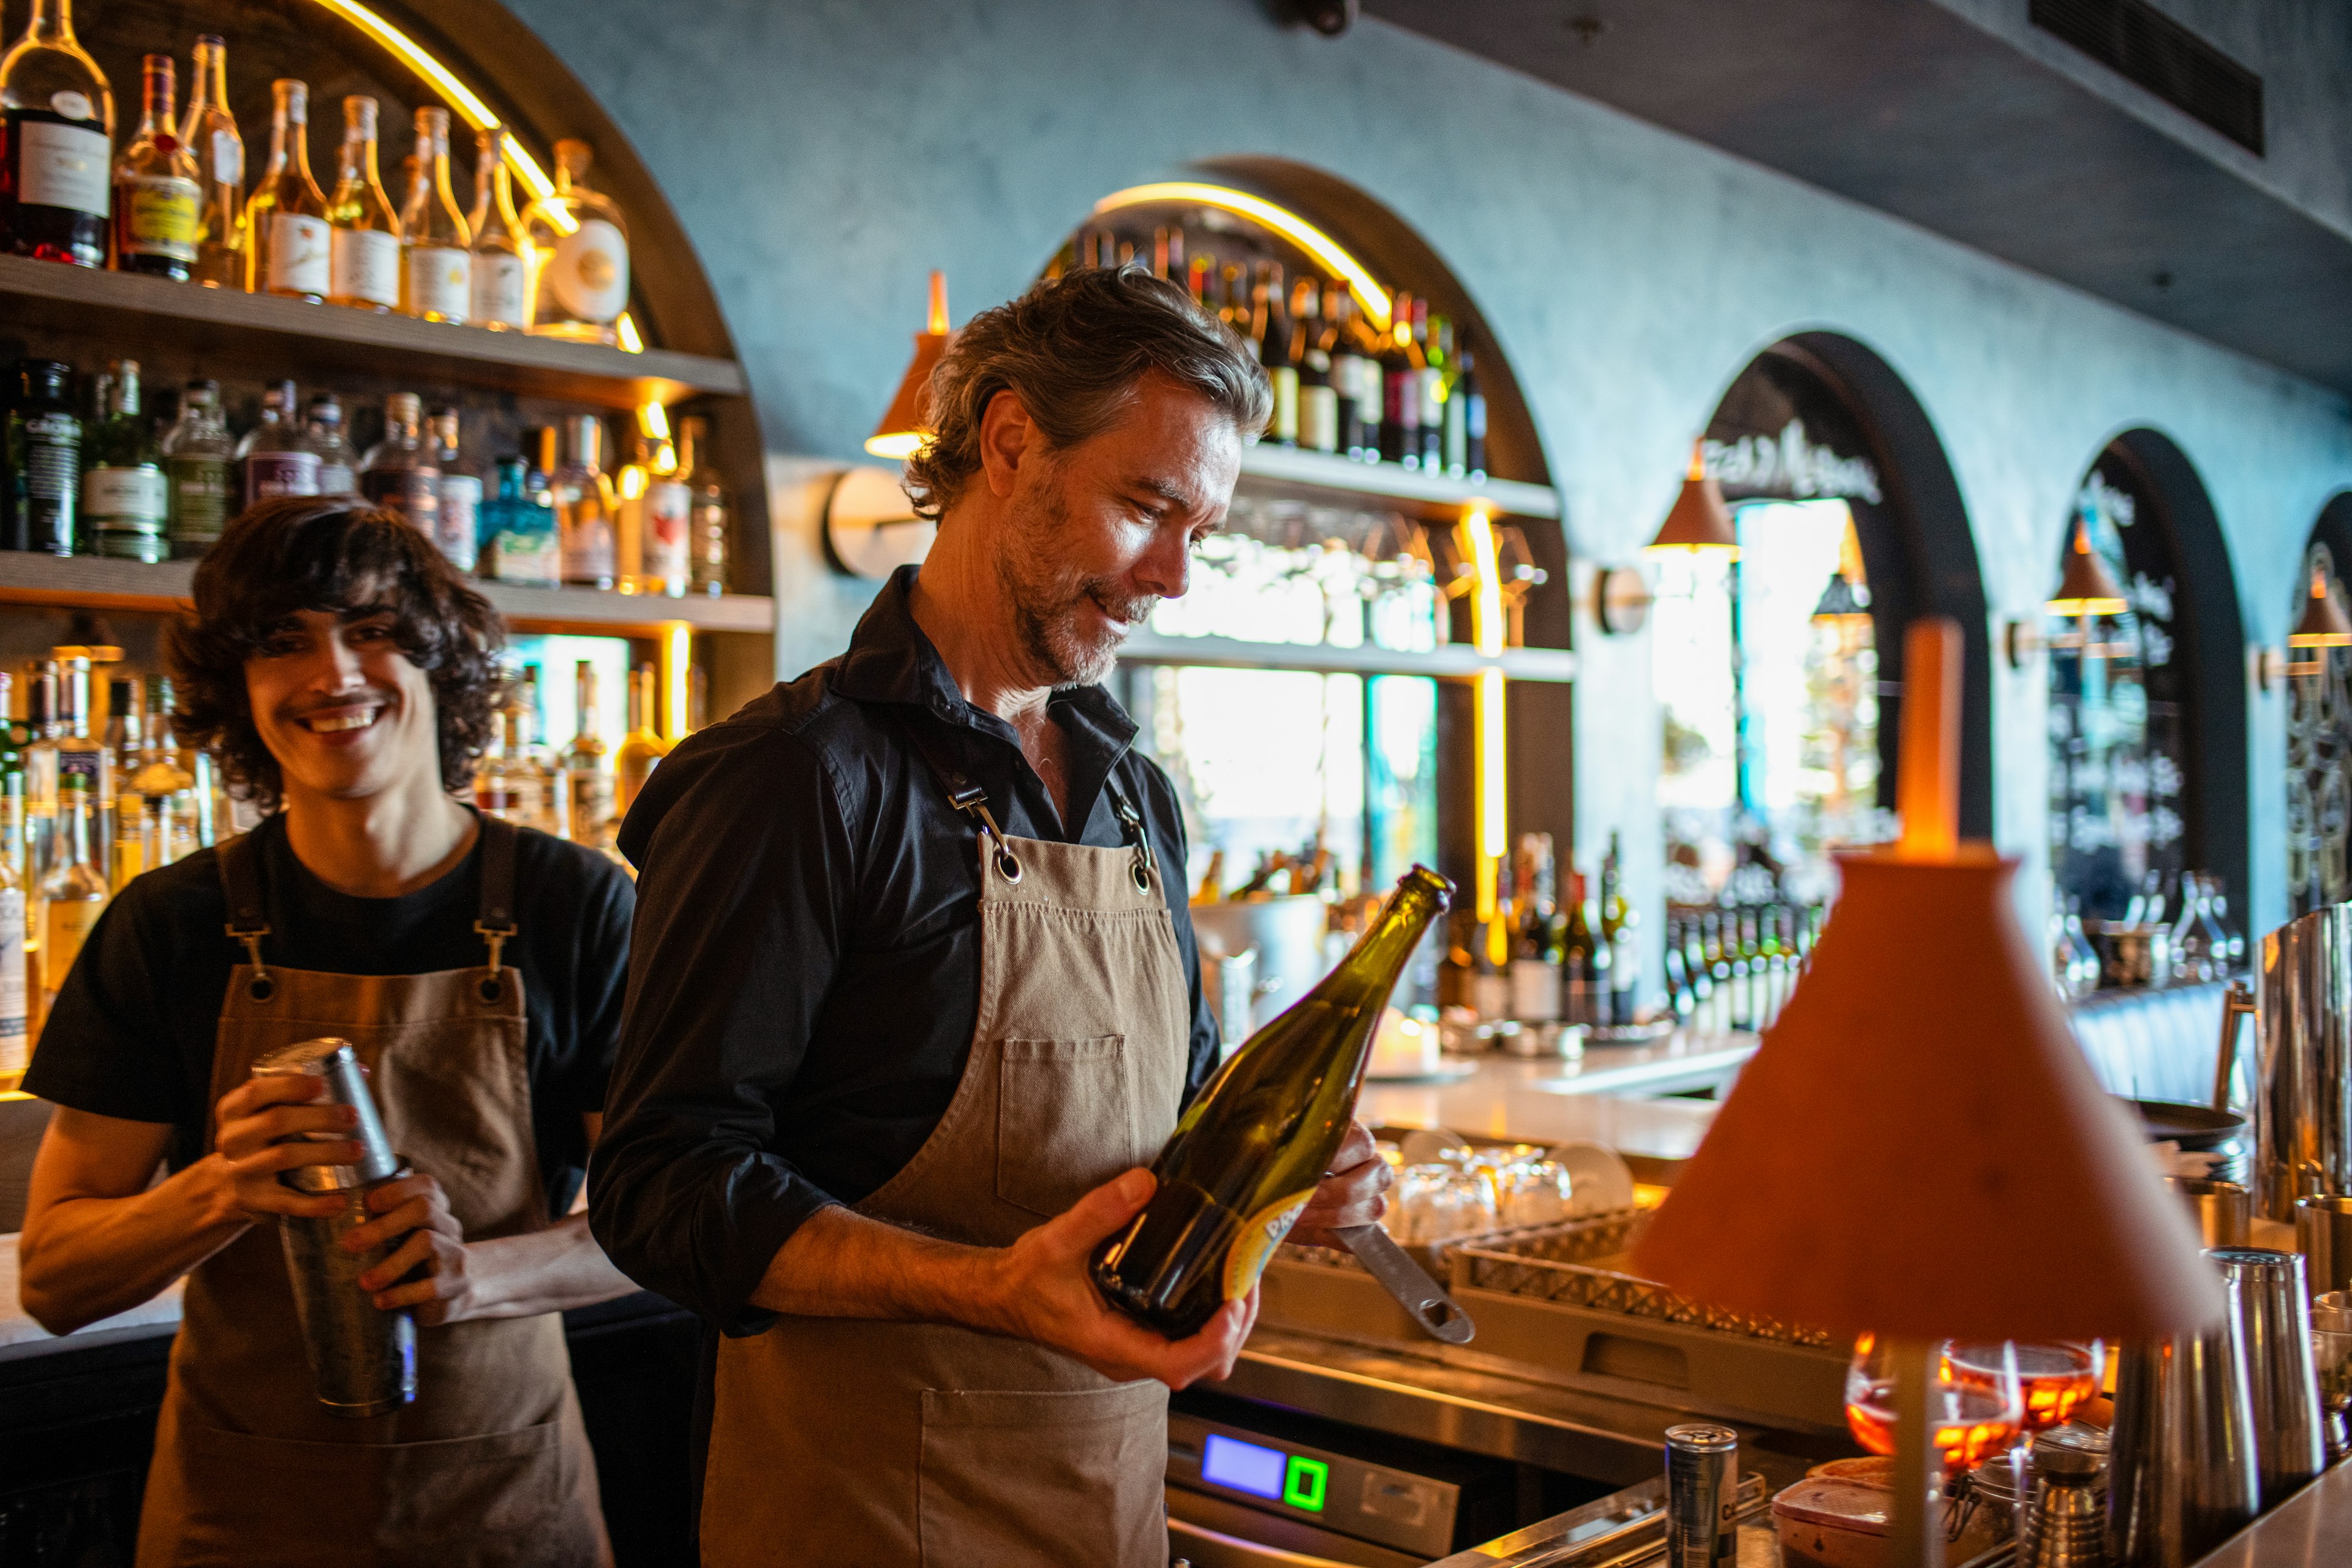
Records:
x=546, y=766
x=166, y=789
x=1536, y=939
x=75, y=893
x=1234, y=312
x=1202, y=268
x=1436, y=338
x=41, y=731
x=1319, y=405
x=400, y=472
x=197, y=456
x=289, y=246
x=579, y=251
x=80, y=753
x=456, y=528
x=584, y=505
x=158, y=201
x=1399, y=387
x=1346, y=370
x=666, y=526
x=1270, y=328
x=1254, y=1144
x=364, y=246
x=500, y=298
x=519, y=542
x=125, y=856
x=641, y=750
x=1580, y=953
x=16, y=1035
x=274, y=458
x=1466, y=454
x=44, y=454
x=1617, y=922
x=437, y=274
x=507, y=785
x=588, y=782
x=323, y=437
x=707, y=531
x=209, y=135
x=125, y=496
x=57, y=136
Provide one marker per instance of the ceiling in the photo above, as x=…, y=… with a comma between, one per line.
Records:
x=1907, y=107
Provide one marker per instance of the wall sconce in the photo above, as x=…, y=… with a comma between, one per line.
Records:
x=870, y=527
x=907, y=423
x=1621, y=597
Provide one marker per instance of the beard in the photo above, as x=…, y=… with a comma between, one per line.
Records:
x=1049, y=599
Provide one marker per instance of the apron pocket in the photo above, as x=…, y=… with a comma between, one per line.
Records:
x=254, y=1499
x=1064, y=1121
x=1065, y=1477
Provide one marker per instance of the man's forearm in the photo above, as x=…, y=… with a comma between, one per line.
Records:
x=89, y=1257
x=840, y=1264
x=546, y=1271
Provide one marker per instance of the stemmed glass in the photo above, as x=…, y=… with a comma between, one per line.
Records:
x=1973, y=1413
x=2055, y=1378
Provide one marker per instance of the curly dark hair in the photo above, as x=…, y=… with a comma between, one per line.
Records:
x=1072, y=350
x=309, y=552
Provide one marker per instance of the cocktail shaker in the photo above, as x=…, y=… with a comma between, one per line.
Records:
x=363, y=1358
x=2181, y=1474
x=2224, y=1211
x=1702, y=1496
x=2323, y=1234
x=2303, y=1031
x=2270, y=1317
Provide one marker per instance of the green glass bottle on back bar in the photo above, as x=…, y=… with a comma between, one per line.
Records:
x=1264, y=1130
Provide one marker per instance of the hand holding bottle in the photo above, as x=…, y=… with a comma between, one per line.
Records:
x=1354, y=1193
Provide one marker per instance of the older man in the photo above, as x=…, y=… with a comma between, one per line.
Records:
x=913, y=991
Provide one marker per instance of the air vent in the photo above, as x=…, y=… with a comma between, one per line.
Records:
x=2135, y=40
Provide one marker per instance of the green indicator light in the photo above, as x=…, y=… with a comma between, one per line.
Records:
x=1303, y=1483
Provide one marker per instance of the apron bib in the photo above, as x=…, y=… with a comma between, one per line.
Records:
x=490, y=1467
x=837, y=1441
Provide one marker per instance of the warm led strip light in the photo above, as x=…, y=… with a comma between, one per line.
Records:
x=1283, y=222
x=1476, y=537
x=677, y=660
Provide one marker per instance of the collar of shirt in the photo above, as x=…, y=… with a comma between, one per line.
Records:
x=889, y=661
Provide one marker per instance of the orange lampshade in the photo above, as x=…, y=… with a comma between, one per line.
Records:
x=908, y=422
x=2322, y=623
x=1699, y=520
x=2086, y=587
x=1920, y=1149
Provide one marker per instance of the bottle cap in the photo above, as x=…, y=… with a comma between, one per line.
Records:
x=402, y=407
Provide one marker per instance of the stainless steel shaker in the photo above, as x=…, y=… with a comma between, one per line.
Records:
x=1702, y=1496
x=2302, y=1031
x=2181, y=1474
x=363, y=1360
x=2270, y=1316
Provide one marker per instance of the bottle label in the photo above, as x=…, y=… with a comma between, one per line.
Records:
x=137, y=497
x=62, y=165
x=199, y=491
x=1433, y=399
x=1285, y=404
x=440, y=282
x=268, y=474
x=52, y=456
x=590, y=272
x=1490, y=996
x=228, y=158
x=1535, y=990
x=363, y=264
x=591, y=795
x=590, y=552
x=1260, y=1234
x=498, y=291
x=415, y=493
x=301, y=257
x=15, y=1054
x=69, y=924
x=669, y=519
x=461, y=501
x=1318, y=418
x=160, y=215
x=523, y=556
x=337, y=478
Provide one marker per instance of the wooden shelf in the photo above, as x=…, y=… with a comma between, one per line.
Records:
x=27, y=578
x=1456, y=660
x=1286, y=470
x=287, y=335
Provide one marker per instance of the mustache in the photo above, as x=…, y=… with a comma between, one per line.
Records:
x=1134, y=611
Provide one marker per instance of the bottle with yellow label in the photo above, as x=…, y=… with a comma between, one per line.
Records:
x=158, y=204
x=1258, y=1140
x=75, y=893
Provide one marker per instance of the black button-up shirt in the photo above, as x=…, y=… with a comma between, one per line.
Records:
x=804, y=971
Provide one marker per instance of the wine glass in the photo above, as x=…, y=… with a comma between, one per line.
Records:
x=2055, y=1378
x=1970, y=1415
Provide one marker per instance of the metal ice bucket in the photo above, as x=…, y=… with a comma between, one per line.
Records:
x=2303, y=1095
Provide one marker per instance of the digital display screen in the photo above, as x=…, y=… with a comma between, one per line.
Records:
x=1244, y=1466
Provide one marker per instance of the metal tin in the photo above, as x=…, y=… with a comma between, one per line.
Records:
x=2270, y=1314
x=335, y=1061
x=1702, y=1496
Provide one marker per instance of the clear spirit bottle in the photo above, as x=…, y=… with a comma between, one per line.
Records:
x=501, y=276
x=197, y=456
x=288, y=249
x=401, y=473
x=437, y=274
x=579, y=254
x=209, y=135
x=364, y=249
x=584, y=507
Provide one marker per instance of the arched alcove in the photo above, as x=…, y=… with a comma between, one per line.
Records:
x=2319, y=732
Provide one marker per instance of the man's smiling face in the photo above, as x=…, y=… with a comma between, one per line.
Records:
x=339, y=705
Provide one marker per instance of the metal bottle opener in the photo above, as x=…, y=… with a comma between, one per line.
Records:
x=1440, y=1316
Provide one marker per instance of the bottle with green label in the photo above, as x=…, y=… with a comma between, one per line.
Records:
x=1258, y=1140
x=125, y=496
x=197, y=457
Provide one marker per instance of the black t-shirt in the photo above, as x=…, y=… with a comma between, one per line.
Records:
x=131, y=1034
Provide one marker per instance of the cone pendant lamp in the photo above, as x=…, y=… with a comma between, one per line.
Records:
x=1699, y=520
x=907, y=423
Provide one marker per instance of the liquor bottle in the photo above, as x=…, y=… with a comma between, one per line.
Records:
x=501, y=277
x=1436, y=337
x=1254, y=1143
x=16, y=1037
x=44, y=454
x=322, y=437
x=588, y=783
x=579, y=249
x=1701, y=978
x=272, y=459
x=124, y=857
x=1270, y=327
x=1617, y=922
x=1400, y=386
x=65, y=751
x=209, y=135
x=158, y=201
x=75, y=893
x=709, y=510
x=1465, y=455
x=505, y=787
x=1578, y=950
x=41, y=732
x=125, y=497
x=197, y=454
x=364, y=246
x=456, y=530
x=1536, y=945
x=436, y=274
x=1319, y=405
x=641, y=749
x=1197, y=277
x=665, y=528
x=401, y=473
x=584, y=504
x=289, y=246
x=1234, y=311
x=166, y=789
x=518, y=540
x=1346, y=370
x=57, y=131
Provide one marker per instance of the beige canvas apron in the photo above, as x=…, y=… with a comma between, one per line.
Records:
x=490, y=1466
x=839, y=1441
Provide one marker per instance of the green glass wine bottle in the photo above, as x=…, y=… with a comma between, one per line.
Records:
x=1260, y=1135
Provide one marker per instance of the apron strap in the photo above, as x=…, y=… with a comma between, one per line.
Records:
x=239, y=864
x=964, y=795
x=495, y=922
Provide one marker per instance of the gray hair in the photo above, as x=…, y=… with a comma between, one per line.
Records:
x=1072, y=349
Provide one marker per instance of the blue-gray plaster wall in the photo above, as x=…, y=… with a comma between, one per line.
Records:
x=823, y=153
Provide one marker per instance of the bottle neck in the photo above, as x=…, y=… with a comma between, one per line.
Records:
x=157, y=93
x=51, y=22
x=1370, y=970
x=208, y=84
x=74, y=806
x=358, y=157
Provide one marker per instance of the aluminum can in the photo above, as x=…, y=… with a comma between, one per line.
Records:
x=1702, y=1496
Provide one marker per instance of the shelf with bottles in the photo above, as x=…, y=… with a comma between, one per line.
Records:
x=1296, y=471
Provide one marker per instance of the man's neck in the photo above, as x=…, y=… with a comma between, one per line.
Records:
x=380, y=847
x=964, y=608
